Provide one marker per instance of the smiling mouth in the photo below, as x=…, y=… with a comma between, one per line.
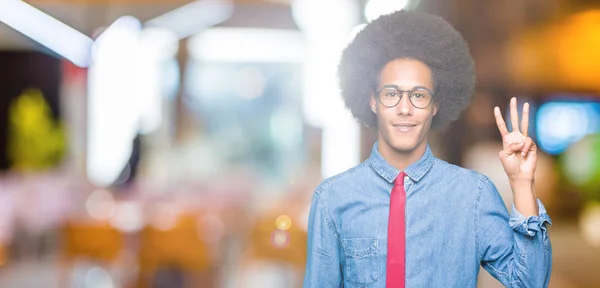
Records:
x=404, y=127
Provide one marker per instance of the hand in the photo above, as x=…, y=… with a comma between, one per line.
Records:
x=519, y=154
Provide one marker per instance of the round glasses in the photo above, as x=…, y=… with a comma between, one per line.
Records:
x=390, y=96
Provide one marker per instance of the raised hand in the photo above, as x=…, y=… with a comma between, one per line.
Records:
x=519, y=154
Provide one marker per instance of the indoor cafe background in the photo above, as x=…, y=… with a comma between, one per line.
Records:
x=177, y=143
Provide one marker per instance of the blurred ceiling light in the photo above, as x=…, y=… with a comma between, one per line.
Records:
x=157, y=46
x=113, y=115
x=325, y=40
x=49, y=32
x=125, y=28
x=315, y=15
x=376, y=8
x=247, y=45
x=322, y=105
x=194, y=17
x=341, y=143
x=159, y=43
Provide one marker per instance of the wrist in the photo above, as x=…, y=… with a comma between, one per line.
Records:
x=525, y=199
x=522, y=185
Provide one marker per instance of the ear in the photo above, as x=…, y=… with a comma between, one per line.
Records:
x=435, y=109
x=373, y=104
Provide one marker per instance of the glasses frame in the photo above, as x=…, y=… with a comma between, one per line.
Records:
x=411, y=91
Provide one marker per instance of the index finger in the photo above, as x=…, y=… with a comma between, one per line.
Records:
x=500, y=122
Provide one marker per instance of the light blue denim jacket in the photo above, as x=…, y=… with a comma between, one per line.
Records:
x=455, y=222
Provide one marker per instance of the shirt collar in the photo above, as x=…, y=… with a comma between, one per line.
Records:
x=415, y=171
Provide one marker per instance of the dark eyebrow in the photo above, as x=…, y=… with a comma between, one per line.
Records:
x=396, y=87
x=389, y=86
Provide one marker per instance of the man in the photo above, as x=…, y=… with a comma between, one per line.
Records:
x=404, y=218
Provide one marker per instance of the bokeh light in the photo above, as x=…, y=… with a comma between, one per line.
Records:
x=283, y=222
x=280, y=239
x=376, y=8
x=98, y=278
x=128, y=217
x=590, y=224
x=100, y=204
x=562, y=123
x=581, y=165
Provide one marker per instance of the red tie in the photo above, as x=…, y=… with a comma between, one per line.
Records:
x=395, y=270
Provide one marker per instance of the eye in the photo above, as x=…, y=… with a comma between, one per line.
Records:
x=391, y=94
x=420, y=94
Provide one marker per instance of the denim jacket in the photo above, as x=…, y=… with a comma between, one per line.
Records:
x=456, y=222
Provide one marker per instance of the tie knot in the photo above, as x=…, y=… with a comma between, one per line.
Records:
x=400, y=179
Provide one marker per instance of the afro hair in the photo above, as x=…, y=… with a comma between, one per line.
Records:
x=413, y=35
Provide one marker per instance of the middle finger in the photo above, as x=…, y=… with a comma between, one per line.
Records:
x=514, y=115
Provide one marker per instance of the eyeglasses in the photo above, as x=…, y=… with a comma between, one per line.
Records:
x=390, y=96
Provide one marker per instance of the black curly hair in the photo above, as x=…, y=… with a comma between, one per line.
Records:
x=414, y=35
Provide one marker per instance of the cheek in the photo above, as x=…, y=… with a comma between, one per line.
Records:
x=431, y=115
x=385, y=115
x=429, y=119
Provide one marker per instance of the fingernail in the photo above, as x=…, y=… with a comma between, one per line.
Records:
x=523, y=153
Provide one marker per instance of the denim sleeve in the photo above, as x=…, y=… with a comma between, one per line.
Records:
x=323, y=260
x=515, y=250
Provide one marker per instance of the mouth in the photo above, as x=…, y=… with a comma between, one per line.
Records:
x=404, y=127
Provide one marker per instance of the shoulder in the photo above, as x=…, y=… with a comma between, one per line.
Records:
x=465, y=176
x=458, y=172
x=472, y=185
x=331, y=185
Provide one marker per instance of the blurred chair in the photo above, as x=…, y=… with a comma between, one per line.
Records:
x=98, y=241
x=271, y=243
x=178, y=250
x=95, y=241
x=3, y=255
x=277, y=248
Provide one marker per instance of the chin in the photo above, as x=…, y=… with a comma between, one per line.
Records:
x=404, y=147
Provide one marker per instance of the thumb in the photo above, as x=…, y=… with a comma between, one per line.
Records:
x=511, y=149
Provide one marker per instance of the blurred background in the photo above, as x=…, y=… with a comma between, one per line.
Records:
x=155, y=143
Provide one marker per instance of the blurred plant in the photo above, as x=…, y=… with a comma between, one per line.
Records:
x=581, y=166
x=35, y=141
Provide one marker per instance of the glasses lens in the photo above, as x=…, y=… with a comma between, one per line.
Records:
x=389, y=97
x=421, y=98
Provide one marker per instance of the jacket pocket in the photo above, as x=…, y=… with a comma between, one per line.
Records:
x=362, y=268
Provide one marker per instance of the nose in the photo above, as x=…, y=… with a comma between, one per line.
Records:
x=404, y=107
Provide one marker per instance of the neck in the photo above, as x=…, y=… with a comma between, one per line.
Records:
x=401, y=159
